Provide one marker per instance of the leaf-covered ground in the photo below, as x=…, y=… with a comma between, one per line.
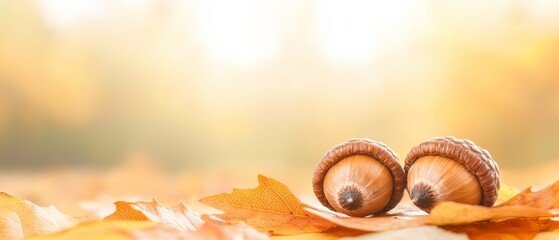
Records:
x=104, y=208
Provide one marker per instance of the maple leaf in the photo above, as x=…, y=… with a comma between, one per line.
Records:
x=270, y=207
x=178, y=216
x=21, y=218
x=547, y=198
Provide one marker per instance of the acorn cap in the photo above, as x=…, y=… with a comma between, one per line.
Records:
x=476, y=160
x=376, y=150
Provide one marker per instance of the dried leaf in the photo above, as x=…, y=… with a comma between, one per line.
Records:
x=448, y=213
x=212, y=231
x=511, y=225
x=147, y=230
x=270, y=207
x=179, y=216
x=526, y=204
x=372, y=224
x=506, y=192
x=332, y=233
x=306, y=236
x=509, y=229
x=547, y=198
x=97, y=230
x=21, y=218
x=208, y=231
x=423, y=232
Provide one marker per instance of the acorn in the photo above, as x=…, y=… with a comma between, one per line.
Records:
x=451, y=169
x=359, y=177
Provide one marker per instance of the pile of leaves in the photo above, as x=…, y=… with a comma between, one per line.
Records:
x=271, y=210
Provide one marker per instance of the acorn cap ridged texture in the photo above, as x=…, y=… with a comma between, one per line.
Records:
x=475, y=163
x=358, y=152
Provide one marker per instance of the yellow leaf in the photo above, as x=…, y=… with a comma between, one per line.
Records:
x=527, y=204
x=270, y=207
x=447, y=213
x=505, y=193
x=547, y=198
x=179, y=216
x=99, y=230
x=21, y=218
x=332, y=233
x=521, y=228
x=208, y=231
x=134, y=229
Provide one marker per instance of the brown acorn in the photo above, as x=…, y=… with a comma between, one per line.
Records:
x=451, y=169
x=359, y=177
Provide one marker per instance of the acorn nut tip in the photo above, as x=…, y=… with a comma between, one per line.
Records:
x=451, y=169
x=359, y=177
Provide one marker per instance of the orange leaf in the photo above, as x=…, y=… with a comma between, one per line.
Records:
x=372, y=224
x=135, y=230
x=547, y=198
x=179, y=216
x=20, y=218
x=114, y=230
x=270, y=207
x=208, y=231
x=508, y=229
x=526, y=204
x=448, y=213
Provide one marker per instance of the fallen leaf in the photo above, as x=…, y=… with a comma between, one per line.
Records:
x=449, y=213
x=509, y=229
x=332, y=233
x=212, y=231
x=147, y=230
x=418, y=233
x=21, y=218
x=208, y=231
x=547, y=198
x=406, y=210
x=506, y=192
x=306, y=236
x=372, y=224
x=526, y=204
x=501, y=236
x=114, y=230
x=179, y=216
x=270, y=207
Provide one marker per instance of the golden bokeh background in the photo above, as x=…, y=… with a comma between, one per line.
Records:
x=247, y=87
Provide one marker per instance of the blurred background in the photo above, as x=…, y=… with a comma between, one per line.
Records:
x=229, y=89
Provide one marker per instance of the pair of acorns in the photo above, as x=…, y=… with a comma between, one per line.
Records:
x=362, y=177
